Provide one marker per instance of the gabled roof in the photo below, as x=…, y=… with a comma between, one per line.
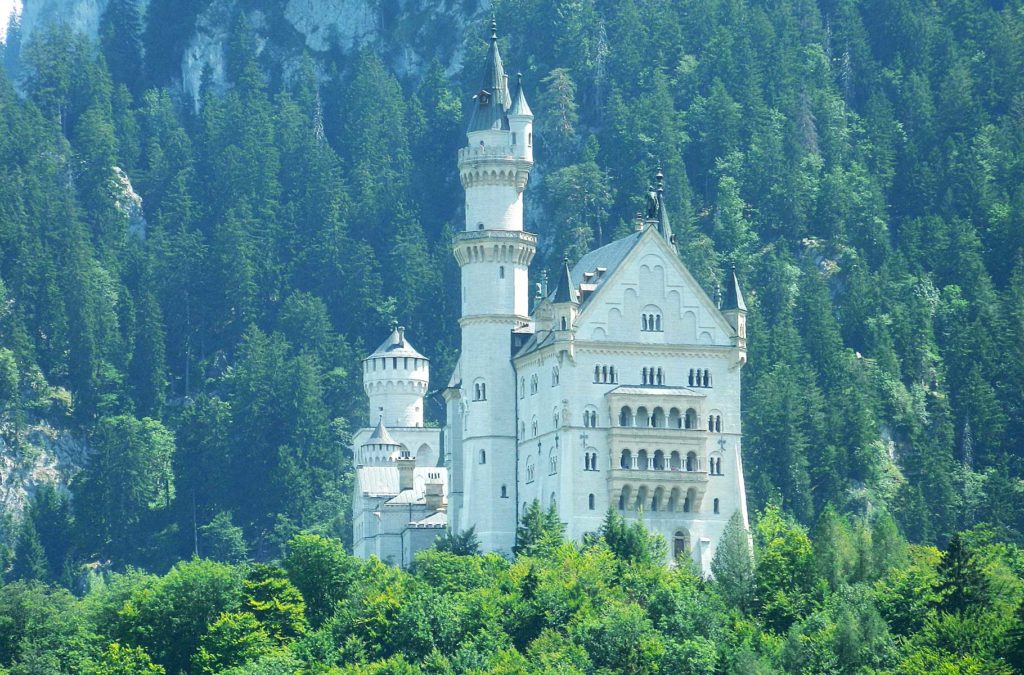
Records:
x=396, y=345
x=619, y=251
x=607, y=258
x=492, y=100
x=733, y=298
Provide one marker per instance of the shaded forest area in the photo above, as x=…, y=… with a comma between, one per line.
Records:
x=861, y=161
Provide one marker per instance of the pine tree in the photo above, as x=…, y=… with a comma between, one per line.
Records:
x=121, y=38
x=733, y=565
x=963, y=585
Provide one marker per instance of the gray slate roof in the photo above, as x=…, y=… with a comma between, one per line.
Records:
x=396, y=345
x=733, y=298
x=519, y=104
x=380, y=435
x=491, y=102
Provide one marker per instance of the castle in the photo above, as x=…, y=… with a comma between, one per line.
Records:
x=620, y=388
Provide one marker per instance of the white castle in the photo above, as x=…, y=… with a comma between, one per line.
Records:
x=621, y=388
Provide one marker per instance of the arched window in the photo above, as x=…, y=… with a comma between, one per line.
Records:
x=504, y=492
x=565, y=324
x=593, y=461
x=718, y=422
x=716, y=504
x=554, y=376
x=533, y=384
x=659, y=460
x=690, y=379
x=533, y=427
x=522, y=430
x=626, y=460
x=531, y=470
x=597, y=373
x=643, y=419
x=691, y=461
x=691, y=419
x=643, y=322
x=614, y=378
x=686, y=504
x=622, y=502
x=590, y=501
x=642, y=461
x=661, y=376
x=711, y=422
x=552, y=462
x=483, y=456
x=522, y=387
x=643, y=376
x=680, y=544
x=675, y=462
x=479, y=391
x=501, y=272
x=586, y=461
x=626, y=416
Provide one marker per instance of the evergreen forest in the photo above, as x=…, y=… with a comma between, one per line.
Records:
x=188, y=286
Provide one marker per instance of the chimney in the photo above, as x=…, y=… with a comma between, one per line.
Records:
x=406, y=465
x=401, y=336
x=434, y=492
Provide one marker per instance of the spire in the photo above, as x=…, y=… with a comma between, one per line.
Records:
x=519, y=104
x=663, y=225
x=733, y=297
x=564, y=292
x=492, y=100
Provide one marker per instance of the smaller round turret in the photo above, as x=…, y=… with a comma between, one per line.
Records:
x=395, y=378
x=380, y=449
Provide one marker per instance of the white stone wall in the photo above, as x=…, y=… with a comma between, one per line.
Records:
x=654, y=285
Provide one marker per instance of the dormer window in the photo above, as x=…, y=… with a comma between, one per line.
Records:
x=484, y=97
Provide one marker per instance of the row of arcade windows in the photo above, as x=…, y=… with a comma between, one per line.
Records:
x=701, y=377
x=650, y=323
x=590, y=418
x=716, y=505
x=479, y=391
x=605, y=375
x=653, y=376
x=644, y=418
x=590, y=461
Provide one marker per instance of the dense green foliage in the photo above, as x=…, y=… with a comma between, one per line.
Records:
x=860, y=161
x=847, y=599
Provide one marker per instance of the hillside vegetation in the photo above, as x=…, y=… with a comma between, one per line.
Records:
x=188, y=291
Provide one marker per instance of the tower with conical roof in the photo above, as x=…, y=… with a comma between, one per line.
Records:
x=395, y=378
x=494, y=255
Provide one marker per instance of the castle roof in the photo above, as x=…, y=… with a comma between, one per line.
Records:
x=381, y=436
x=492, y=100
x=519, y=105
x=396, y=345
x=565, y=291
x=733, y=298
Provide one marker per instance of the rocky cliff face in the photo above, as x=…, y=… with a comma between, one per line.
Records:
x=408, y=33
x=41, y=455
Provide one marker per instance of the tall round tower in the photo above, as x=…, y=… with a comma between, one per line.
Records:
x=494, y=255
x=395, y=379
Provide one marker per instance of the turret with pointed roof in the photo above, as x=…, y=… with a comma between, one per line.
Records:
x=735, y=311
x=395, y=378
x=491, y=101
